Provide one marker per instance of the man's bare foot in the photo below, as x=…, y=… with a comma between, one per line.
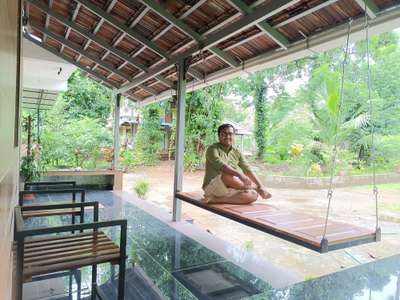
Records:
x=263, y=193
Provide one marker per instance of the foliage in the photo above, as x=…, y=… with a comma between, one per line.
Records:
x=142, y=188
x=29, y=169
x=149, y=137
x=249, y=245
x=85, y=99
x=203, y=116
x=79, y=143
x=260, y=125
x=73, y=132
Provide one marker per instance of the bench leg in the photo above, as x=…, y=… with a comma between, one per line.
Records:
x=70, y=284
x=73, y=222
x=121, y=279
x=78, y=280
x=20, y=271
x=94, y=281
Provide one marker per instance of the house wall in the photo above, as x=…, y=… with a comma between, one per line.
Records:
x=8, y=152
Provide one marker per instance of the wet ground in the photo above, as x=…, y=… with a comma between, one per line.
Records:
x=353, y=205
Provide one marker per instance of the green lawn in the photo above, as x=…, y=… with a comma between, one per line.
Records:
x=393, y=207
x=390, y=187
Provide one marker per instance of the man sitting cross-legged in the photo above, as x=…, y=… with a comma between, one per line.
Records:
x=228, y=177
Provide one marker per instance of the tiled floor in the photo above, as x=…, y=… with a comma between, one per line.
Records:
x=164, y=263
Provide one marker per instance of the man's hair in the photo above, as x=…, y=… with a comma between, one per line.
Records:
x=223, y=126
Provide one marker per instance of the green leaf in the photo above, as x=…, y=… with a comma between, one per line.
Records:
x=332, y=91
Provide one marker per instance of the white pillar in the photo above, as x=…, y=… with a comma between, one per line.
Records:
x=180, y=138
x=116, y=131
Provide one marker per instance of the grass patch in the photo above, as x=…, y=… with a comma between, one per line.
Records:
x=389, y=187
x=142, y=188
x=392, y=207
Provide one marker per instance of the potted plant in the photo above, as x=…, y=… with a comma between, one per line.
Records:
x=29, y=172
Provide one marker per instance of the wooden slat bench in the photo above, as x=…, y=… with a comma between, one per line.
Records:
x=50, y=254
x=71, y=191
x=42, y=211
x=48, y=213
x=303, y=229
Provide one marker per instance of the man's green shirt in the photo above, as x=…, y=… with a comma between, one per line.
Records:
x=217, y=155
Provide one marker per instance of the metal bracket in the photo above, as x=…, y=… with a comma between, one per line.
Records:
x=378, y=234
x=324, y=245
x=186, y=64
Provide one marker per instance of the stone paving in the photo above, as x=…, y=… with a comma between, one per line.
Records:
x=353, y=205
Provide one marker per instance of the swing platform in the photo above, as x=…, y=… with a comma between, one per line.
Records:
x=302, y=229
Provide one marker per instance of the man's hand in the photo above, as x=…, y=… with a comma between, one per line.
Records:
x=246, y=180
x=263, y=193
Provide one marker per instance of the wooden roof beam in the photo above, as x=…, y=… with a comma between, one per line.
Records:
x=126, y=30
x=123, y=28
x=371, y=9
x=178, y=23
x=136, y=20
x=88, y=35
x=247, y=21
x=272, y=33
x=73, y=17
x=47, y=22
x=281, y=24
x=109, y=8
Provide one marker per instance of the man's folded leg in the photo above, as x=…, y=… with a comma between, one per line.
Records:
x=236, y=197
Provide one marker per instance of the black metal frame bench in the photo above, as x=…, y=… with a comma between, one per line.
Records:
x=49, y=254
x=46, y=213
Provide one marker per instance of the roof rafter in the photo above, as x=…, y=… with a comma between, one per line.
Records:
x=121, y=36
x=213, y=39
x=69, y=60
x=73, y=17
x=371, y=8
x=162, y=32
x=164, y=13
x=76, y=48
x=87, y=54
x=47, y=22
x=110, y=6
x=88, y=35
x=274, y=34
x=321, y=41
x=123, y=28
x=281, y=24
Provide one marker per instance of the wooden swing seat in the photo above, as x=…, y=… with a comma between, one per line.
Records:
x=303, y=229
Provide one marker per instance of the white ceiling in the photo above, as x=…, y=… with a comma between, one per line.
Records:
x=41, y=69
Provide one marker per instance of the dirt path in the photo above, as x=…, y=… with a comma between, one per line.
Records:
x=351, y=205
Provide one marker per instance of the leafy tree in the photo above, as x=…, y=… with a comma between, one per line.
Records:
x=203, y=116
x=149, y=137
x=85, y=99
x=84, y=140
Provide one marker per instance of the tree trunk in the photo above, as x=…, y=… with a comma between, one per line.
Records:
x=260, y=103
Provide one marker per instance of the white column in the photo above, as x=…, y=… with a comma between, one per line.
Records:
x=180, y=138
x=116, y=131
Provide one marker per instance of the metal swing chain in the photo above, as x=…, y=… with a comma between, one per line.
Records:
x=370, y=104
x=334, y=152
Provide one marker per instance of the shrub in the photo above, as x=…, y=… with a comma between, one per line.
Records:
x=249, y=245
x=29, y=169
x=142, y=188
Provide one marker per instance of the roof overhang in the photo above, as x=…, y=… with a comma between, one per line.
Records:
x=318, y=43
x=133, y=46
